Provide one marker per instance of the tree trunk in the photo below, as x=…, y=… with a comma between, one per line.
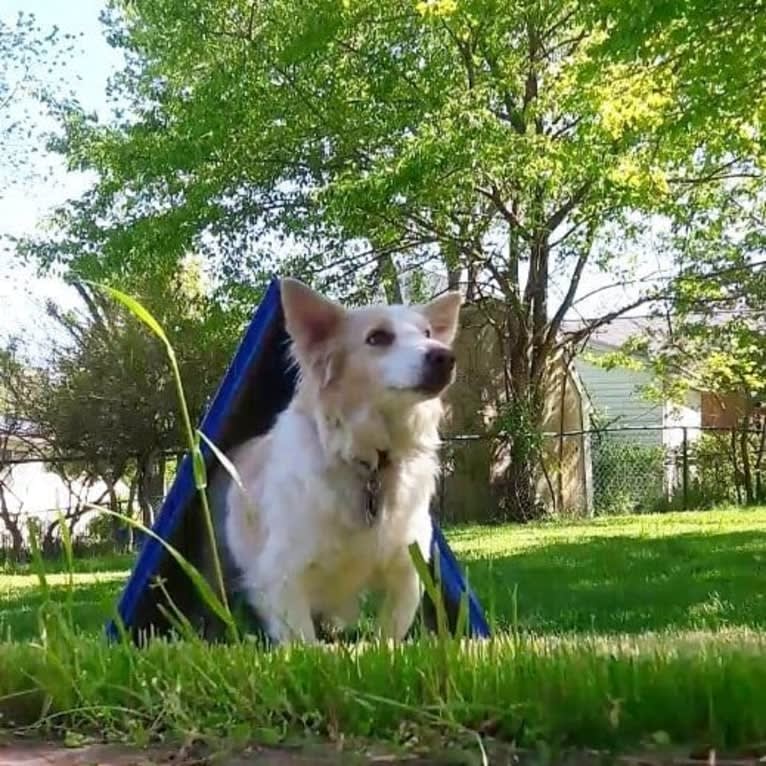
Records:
x=151, y=486
x=48, y=545
x=747, y=474
x=559, y=499
x=387, y=276
x=114, y=507
x=129, y=510
x=521, y=500
x=759, y=462
x=735, y=466
x=523, y=423
x=453, y=279
x=12, y=525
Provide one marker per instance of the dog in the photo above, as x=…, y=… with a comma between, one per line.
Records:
x=341, y=485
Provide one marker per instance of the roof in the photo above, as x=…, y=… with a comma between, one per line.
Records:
x=658, y=329
x=13, y=426
x=615, y=334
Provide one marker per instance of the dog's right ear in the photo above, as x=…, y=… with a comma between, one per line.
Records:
x=310, y=318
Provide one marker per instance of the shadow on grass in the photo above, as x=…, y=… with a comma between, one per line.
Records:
x=629, y=584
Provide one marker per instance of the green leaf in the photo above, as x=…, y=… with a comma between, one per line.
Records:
x=199, y=469
x=206, y=593
x=136, y=309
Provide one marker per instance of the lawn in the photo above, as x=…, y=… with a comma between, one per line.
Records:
x=611, y=632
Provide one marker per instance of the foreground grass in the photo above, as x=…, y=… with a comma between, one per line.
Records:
x=616, y=631
x=685, y=688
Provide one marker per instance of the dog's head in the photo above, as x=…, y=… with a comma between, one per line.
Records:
x=387, y=357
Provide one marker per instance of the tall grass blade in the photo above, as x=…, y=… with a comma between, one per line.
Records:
x=33, y=529
x=207, y=594
x=66, y=542
x=228, y=466
x=198, y=464
x=230, y=469
x=135, y=308
x=432, y=590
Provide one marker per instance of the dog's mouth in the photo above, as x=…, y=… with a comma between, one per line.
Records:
x=434, y=384
x=426, y=389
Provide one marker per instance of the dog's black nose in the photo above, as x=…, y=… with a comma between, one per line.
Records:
x=440, y=359
x=437, y=370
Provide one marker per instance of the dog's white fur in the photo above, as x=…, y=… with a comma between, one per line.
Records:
x=299, y=536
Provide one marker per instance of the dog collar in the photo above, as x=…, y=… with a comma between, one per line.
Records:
x=373, y=485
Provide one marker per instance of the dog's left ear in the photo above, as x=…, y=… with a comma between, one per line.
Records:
x=310, y=318
x=443, y=314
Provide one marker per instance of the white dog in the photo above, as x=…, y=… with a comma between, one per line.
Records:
x=341, y=485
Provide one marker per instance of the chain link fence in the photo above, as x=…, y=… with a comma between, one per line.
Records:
x=39, y=496
x=601, y=472
x=578, y=473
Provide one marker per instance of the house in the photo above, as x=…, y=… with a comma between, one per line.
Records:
x=635, y=463
x=618, y=395
x=30, y=488
x=658, y=436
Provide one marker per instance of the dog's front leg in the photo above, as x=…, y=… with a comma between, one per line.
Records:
x=402, y=594
x=285, y=609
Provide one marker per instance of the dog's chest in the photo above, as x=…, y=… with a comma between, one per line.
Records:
x=356, y=523
x=342, y=568
x=355, y=496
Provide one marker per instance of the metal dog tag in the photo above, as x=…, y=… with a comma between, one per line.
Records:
x=372, y=497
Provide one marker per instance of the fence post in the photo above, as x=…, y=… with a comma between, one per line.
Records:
x=685, y=468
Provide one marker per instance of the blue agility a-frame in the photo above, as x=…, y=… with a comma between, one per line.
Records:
x=257, y=386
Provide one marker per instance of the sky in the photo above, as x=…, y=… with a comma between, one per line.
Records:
x=23, y=209
x=24, y=206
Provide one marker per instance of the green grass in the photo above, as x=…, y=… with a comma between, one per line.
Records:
x=628, y=574
x=91, y=600
x=613, y=632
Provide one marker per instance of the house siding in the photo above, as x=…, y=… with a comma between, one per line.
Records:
x=616, y=396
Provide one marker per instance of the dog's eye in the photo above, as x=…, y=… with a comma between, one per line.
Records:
x=427, y=332
x=380, y=338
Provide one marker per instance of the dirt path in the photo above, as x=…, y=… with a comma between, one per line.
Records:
x=44, y=754
x=47, y=754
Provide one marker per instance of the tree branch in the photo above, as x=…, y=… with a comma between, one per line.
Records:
x=574, y=284
x=564, y=210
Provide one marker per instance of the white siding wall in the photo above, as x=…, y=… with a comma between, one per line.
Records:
x=681, y=420
x=677, y=417
x=616, y=395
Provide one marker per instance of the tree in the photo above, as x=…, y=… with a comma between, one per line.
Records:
x=20, y=438
x=10, y=430
x=503, y=142
x=32, y=60
x=106, y=394
x=715, y=52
